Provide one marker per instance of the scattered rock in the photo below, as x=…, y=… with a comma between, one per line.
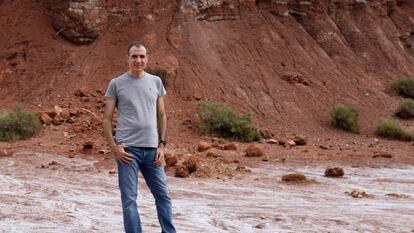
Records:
x=203, y=146
x=334, y=172
x=6, y=153
x=75, y=111
x=112, y=171
x=265, y=159
x=323, y=147
x=396, y=195
x=181, y=171
x=267, y=134
x=300, y=140
x=294, y=177
x=230, y=146
x=254, y=151
x=272, y=141
x=242, y=168
x=53, y=163
x=357, y=193
x=290, y=143
x=260, y=226
x=282, y=142
x=57, y=120
x=213, y=153
x=79, y=93
x=45, y=118
x=65, y=114
x=171, y=160
x=88, y=145
x=382, y=155
x=191, y=163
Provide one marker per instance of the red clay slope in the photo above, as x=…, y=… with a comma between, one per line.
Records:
x=284, y=62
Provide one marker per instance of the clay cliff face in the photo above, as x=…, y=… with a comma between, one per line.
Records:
x=285, y=62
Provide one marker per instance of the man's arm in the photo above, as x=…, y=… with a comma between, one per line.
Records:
x=118, y=150
x=162, y=128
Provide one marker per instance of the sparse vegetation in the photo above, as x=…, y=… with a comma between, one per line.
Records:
x=160, y=72
x=406, y=109
x=389, y=128
x=345, y=117
x=222, y=120
x=18, y=124
x=404, y=85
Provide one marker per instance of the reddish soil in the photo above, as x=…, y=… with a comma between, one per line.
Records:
x=286, y=70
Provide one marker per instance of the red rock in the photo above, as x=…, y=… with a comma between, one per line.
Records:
x=65, y=114
x=191, y=163
x=88, y=145
x=203, y=146
x=45, y=118
x=6, y=153
x=181, y=171
x=300, y=140
x=254, y=151
x=171, y=160
x=112, y=171
x=57, y=120
x=230, y=146
x=75, y=111
x=242, y=168
x=334, y=172
x=293, y=177
x=214, y=153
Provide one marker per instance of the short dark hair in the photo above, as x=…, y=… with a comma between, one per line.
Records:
x=136, y=44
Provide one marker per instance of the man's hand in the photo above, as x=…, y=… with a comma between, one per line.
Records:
x=160, y=155
x=121, y=155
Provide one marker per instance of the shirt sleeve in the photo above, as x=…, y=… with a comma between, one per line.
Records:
x=161, y=89
x=111, y=91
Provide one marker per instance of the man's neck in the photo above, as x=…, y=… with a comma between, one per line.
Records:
x=136, y=74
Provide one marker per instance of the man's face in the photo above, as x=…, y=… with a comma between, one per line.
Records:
x=137, y=59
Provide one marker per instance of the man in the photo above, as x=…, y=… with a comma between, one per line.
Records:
x=140, y=138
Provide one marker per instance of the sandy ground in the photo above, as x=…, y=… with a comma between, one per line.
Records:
x=72, y=195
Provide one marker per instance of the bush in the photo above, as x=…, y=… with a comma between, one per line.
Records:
x=404, y=85
x=406, y=109
x=389, y=128
x=222, y=120
x=18, y=124
x=345, y=117
x=160, y=72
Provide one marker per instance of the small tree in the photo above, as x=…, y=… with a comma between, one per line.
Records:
x=222, y=120
x=18, y=124
x=404, y=85
x=345, y=117
x=389, y=128
x=406, y=109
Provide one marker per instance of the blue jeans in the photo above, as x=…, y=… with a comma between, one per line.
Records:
x=156, y=180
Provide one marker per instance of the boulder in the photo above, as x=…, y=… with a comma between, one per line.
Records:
x=300, y=140
x=45, y=118
x=214, y=153
x=254, y=151
x=230, y=146
x=203, y=146
x=294, y=177
x=191, y=163
x=88, y=145
x=79, y=22
x=181, y=171
x=171, y=160
x=334, y=172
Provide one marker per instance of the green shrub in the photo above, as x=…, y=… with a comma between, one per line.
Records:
x=222, y=120
x=160, y=72
x=18, y=124
x=404, y=85
x=406, y=109
x=345, y=117
x=389, y=128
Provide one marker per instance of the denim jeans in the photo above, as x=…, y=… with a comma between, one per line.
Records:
x=156, y=180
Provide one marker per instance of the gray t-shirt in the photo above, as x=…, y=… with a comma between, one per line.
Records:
x=136, y=101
